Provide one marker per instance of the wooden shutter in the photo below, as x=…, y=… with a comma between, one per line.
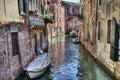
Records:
x=99, y=30
x=114, y=40
x=22, y=6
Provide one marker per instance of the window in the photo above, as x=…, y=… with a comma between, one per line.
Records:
x=15, y=46
x=99, y=2
x=60, y=29
x=99, y=25
x=108, y=30
x=91, y=6
x=66, y=11
x=75, y=22
x=108, y=9
x=73, y=9
x=22, y=6
x=40, y=39
x=60, y=10
x=81, y=11
x=35, y=38
x=44, y=32
x=60, y=19
x=54, y=29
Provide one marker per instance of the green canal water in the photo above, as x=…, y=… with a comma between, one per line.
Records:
x=72, y=62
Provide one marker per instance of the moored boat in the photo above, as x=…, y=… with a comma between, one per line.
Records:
x=76, y=40
x=38, y=66
x=73, y=33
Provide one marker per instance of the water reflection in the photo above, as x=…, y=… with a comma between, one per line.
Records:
x=56, y=47
x=65, y=60
x=88, y=69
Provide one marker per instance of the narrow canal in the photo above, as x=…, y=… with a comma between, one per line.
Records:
x=72, y=62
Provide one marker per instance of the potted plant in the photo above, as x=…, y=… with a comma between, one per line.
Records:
x=47, y=20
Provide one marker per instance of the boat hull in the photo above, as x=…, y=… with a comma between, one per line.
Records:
x=35, y=74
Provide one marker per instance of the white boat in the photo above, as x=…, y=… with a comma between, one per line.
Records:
x=76, y=40
x=38, y=66
x=73, y=33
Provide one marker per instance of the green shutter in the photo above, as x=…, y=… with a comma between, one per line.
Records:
x=114, y=40
x=22, y=6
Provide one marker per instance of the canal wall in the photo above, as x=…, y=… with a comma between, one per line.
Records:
x=104, y=60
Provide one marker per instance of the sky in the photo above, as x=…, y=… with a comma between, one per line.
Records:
x=76, y=1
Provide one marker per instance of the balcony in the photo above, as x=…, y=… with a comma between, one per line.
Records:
x=36, y=21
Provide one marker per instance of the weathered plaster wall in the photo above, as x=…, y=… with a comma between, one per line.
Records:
x=13, y=65
x=9, y=11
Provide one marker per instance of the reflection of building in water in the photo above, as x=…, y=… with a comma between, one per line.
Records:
x=57, y=49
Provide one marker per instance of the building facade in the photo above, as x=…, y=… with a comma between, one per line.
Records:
x=57, y=13
x=72, y=24
x=38, y=13
x=71, y=15
x=21, y=36
x=99, y=31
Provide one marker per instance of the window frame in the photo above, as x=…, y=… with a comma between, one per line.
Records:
x=22, y=7
x=15, y=46
x=108, y=35
x=99, y=30
x=108, y=8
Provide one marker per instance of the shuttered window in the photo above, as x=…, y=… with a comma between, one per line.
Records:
x=99, y=2
x=114, y=40
x=108, y=31
x=36, y=48
x=15, y=46
x=22, y=6
x=99, y=25
x=108, y=9
x=81, y=10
